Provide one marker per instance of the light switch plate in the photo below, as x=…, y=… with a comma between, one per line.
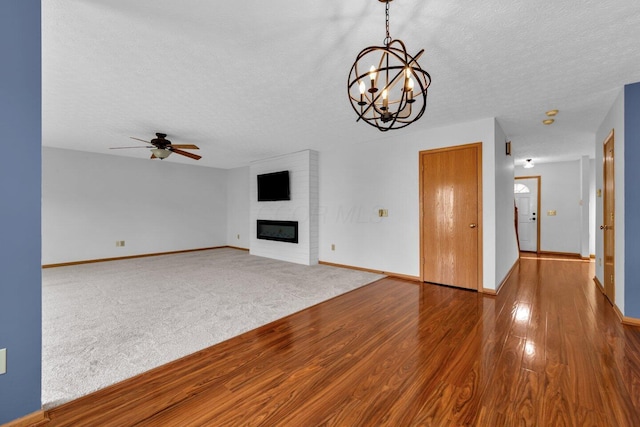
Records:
x=3, y=361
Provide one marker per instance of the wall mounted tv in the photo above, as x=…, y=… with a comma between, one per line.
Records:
x=273, y=186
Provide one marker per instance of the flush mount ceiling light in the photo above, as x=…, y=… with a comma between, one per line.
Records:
x=548, y=121
x=551, y=113
x=528, y=164
x=397, y=87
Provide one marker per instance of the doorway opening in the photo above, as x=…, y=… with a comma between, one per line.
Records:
x=526, y=192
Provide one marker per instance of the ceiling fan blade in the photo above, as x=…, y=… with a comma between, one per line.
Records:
x=137, y=146
x=184, y=153
x=138, y=139
x=186, y=146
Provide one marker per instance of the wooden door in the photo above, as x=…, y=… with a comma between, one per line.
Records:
x=451, y=220
x=608, y=220
x=527, y=197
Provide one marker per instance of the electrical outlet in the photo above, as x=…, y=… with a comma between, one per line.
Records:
x=3, y=361
x=551, y=213
x=333, y=247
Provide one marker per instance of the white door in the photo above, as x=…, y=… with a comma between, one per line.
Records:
x=526, y=197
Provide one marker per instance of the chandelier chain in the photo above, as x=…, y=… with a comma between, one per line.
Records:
x=387, y=39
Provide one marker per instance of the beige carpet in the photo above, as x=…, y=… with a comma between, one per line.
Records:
x=105, y=322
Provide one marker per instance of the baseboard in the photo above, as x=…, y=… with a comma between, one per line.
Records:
x=237, y=247
x=90, y=261
x=567, y=254
x=631, y=321
x=369, y=270
x=557, y=256
x=625, y=320
x=494, y=292
x=618, y=313
x=35, y=419
x=597, y=282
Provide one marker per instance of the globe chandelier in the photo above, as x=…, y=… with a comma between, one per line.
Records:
x=387, y=87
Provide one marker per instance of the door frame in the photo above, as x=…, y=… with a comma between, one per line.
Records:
x=421, y=154
x=609, y=285
x=538, y=220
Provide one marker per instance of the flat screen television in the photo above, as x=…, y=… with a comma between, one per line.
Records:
x=273, y=186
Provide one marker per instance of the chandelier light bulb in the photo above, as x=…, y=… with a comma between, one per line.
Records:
x=410, y=90
x=363, y=88
x=372, y=76
x=407, y=76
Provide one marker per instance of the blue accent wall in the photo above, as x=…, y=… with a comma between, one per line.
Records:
x=632, y=200
x=20, y=195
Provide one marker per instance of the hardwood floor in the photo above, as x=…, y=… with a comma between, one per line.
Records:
x=547, y=351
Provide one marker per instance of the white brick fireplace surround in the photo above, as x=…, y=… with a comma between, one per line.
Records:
x=303, y=207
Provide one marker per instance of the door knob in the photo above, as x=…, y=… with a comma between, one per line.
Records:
x=472, y=225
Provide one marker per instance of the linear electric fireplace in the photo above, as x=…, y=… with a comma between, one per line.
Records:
x=282, y=231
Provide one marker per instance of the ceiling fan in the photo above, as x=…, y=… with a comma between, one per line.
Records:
x=161, y=147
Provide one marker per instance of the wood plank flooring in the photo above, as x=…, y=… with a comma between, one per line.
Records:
x=547, y=351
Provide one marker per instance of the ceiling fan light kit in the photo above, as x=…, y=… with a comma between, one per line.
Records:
x=160, y=153
x=397, y=85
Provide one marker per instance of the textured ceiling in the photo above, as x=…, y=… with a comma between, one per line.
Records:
x=252, y=79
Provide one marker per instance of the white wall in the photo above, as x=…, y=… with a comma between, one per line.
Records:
x=559, y=191
x=585, y=176
x=358, y=179
x=91, y=200
x=238, y=206
x=593, y=231
x=303, y=207
x=613, y=120
x=506, y=246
